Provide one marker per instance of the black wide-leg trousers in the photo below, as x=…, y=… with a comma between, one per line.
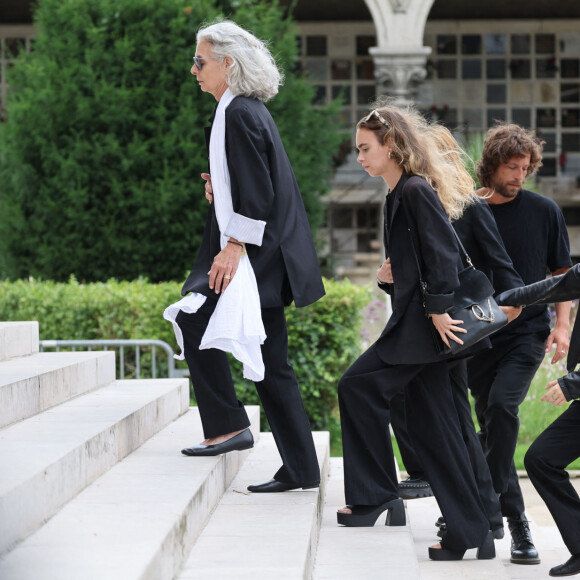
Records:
x=499, y=380
x=546, y=462
x=220, y=410
x=364, y=394
x=459, y=389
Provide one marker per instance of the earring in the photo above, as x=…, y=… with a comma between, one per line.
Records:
x=390, y=154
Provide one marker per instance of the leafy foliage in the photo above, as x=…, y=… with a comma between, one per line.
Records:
x=324, y=339
x=101, y=155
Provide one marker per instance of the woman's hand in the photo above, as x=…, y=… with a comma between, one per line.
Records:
x=446, y=327
x=208, y=187
x=385, y=273
x=554, y=394
x=224, y=267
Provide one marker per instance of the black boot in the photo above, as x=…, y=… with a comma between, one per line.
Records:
x=523, y=550
x=414, y=487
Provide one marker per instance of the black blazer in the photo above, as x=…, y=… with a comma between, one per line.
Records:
x=407, y=337
x=263, y=188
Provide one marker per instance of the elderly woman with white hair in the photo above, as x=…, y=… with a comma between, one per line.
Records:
x=256, y=257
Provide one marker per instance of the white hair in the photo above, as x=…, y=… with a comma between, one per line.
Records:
x=253, y=72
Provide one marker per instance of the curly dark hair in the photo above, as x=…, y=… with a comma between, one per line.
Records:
x=503, y=142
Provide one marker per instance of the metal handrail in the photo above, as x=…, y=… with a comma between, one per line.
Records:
x=172, y=372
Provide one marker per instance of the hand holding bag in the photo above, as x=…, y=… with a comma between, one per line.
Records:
x=473, y=303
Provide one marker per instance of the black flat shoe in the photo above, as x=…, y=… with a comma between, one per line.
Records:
x=365, y=516
x=241, y=441
x=568, y=568
x=485, y=552
x=275, y=486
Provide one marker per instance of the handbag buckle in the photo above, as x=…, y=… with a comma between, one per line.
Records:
x=480, y=314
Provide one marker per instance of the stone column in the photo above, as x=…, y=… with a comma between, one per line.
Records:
x=400, y=71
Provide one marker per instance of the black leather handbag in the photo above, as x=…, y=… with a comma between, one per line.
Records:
x=473, y=303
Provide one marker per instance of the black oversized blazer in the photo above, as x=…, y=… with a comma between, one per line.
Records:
x=407, y=337
x=264, y=188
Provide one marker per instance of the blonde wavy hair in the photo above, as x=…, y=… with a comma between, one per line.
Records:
x=427, y=150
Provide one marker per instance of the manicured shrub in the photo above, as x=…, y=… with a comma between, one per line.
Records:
x=324, y=339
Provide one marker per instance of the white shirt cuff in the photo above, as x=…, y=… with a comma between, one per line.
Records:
x=245, y=229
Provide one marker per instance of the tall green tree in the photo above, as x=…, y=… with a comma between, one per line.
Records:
x=103, y=146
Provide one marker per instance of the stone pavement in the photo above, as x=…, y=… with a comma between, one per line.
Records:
x=93, y=487
x=401, y=553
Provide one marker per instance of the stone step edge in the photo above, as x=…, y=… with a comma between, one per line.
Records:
x=422, y=514
x=53, y=379
x=29, y=500
x=279, y=530
x=139, y=520
x=347, y=553
x=18, y=339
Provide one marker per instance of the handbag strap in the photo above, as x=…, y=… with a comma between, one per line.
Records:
x=461, y=246
x=422, y=283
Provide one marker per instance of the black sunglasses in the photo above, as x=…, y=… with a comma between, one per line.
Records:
x=379, y=117
x=198, y=60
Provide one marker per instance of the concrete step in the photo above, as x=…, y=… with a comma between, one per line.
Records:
x=48, y=459
x=139, y=520
x=379, y=552
x=18, y=339
x=401, y=553
x=422, y=514
x=31, y=384
x=261, y=536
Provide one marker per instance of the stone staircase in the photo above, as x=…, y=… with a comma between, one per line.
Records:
x=93, y=487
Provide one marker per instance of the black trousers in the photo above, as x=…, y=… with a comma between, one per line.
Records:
x=499, y=380
x=364, y=393
x=546, y=461
x=458, y=380
x=220, y=410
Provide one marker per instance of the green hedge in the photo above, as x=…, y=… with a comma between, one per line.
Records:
x=323, y=338
x=103, y=145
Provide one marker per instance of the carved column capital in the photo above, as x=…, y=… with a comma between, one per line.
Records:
x=400, y=72
x=400, y=6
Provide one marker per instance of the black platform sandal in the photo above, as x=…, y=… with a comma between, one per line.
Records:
x=364, y=516
x=485, y=552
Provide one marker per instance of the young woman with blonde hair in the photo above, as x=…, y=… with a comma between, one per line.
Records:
x=427, y=188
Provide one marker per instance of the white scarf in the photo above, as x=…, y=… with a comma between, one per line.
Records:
x=236, y=325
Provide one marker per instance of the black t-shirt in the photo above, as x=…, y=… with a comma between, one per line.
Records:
x=534, y=233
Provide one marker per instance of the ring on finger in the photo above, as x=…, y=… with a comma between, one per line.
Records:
x=227, y=277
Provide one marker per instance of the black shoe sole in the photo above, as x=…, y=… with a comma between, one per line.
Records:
x=367, y=516
x=526, y=561
x=415, y=494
